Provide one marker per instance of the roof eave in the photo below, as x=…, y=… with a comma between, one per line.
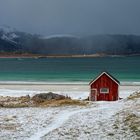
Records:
x=117, y=82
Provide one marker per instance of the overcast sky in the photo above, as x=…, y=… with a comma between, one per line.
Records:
x=78, y=17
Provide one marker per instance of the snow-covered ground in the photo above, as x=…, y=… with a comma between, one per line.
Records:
x=87, y=124
x=34, y=123
x=104, y=121
x=93, y=122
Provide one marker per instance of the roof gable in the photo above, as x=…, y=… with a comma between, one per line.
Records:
x=109, y=75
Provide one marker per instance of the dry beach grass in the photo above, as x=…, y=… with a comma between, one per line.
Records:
x=63, y=102
x=39, y=100
x=71, y=119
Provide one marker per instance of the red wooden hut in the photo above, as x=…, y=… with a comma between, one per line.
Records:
x=104, y=88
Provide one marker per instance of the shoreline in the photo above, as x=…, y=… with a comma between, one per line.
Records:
x=75, y=90
x=122, y=83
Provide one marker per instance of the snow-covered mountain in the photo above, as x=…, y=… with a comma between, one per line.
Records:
x=8, y=34
x=15, y=41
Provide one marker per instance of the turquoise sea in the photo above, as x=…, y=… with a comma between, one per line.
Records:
x=69, y=69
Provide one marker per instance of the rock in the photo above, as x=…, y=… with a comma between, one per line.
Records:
x=27, y=101
x=47, y=96
x=1, y=105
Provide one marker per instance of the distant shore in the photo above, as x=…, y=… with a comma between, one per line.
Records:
x=38, y=56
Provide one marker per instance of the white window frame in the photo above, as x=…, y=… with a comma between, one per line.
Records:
x=106, y=92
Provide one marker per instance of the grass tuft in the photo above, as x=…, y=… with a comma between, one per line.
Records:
x=134, y=96
x=63, y=102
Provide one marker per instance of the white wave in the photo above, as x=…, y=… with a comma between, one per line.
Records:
x=130, y=83
x=124, y=83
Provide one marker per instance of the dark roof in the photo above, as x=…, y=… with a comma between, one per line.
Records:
x=105, y=72
x=113, y=77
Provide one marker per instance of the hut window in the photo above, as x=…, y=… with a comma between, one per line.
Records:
x=104, y=90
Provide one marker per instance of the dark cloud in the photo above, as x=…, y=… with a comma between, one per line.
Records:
x=80, y=17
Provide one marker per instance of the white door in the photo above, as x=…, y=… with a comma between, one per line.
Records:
x=93, y=94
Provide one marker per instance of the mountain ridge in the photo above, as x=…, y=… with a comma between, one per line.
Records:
x=13, y=41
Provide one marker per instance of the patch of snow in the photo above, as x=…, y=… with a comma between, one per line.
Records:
x=96, y=123
x=126, y=93
x=26, y=121
x=18, y=93
x=13, y=36
x=8, y=38
x=60, y=123
x=8, y=34
x=4, y=37
x=59, y=119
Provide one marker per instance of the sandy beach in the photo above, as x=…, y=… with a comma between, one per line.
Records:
x=75, y=90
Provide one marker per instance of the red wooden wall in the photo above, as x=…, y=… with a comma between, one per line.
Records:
x=105, y=82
